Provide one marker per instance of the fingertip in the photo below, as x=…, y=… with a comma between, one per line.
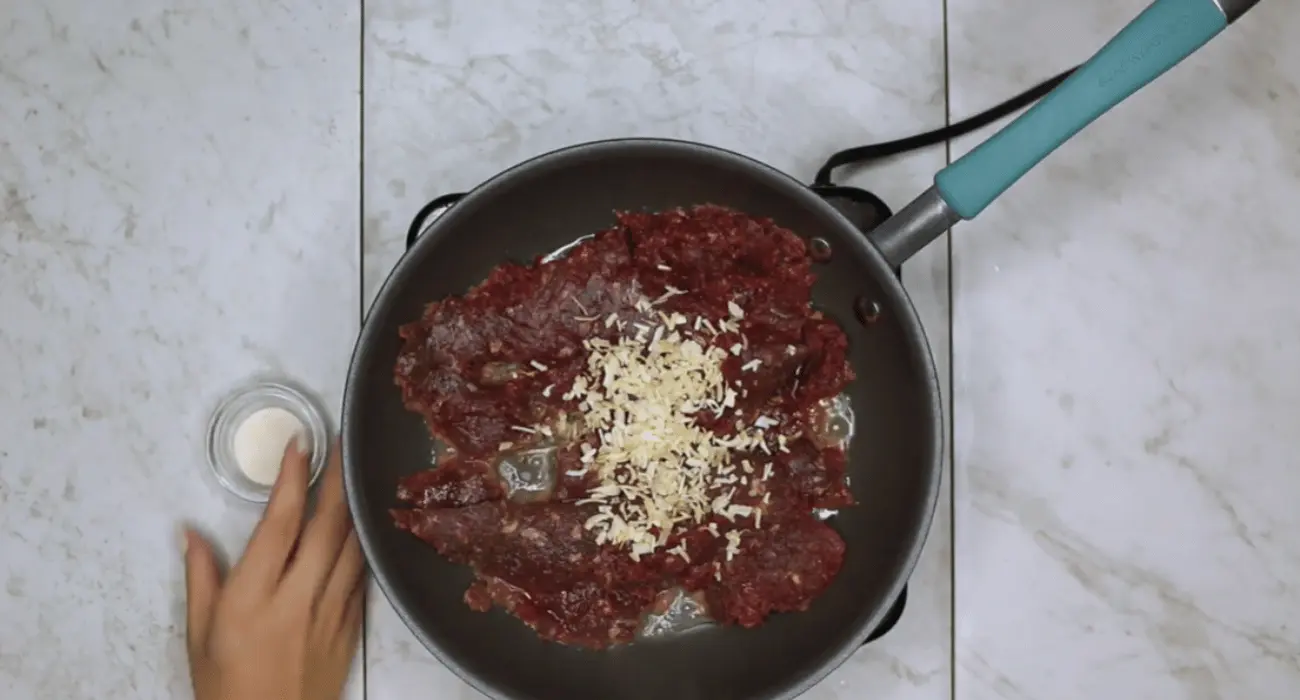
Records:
x=335, y=461
x=332, y=488
x=332, y=492
x=289, y=494
x=336, y=453
x=200, y=566
x=295, y=449
x=293, y=464
x=202, y=583
x=191, y=542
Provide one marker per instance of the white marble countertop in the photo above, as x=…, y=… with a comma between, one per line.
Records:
x=193, y=193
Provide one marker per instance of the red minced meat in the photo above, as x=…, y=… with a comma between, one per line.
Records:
x=465, y=367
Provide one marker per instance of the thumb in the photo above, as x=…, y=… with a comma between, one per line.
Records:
x=202, y=585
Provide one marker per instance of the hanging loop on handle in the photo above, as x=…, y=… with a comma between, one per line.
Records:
x=862, y=155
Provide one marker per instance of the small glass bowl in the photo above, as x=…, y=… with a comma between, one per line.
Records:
x=239, y=405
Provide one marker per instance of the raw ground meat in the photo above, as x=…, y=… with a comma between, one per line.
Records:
x=466, y=367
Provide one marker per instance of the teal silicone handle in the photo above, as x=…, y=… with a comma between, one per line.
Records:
x=1164, y=34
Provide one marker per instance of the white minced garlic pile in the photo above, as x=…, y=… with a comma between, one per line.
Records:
x=658, y=470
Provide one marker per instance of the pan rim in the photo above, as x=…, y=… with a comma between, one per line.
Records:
x=892, y=286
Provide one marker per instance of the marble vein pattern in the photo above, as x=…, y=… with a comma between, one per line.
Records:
x=1126, y=391
x=178, y=212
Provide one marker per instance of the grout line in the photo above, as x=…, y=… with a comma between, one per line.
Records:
x=361, y=283
x=361, y=162
x=952, y=392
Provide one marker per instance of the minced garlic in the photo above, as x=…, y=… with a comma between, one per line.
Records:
x=658, y=469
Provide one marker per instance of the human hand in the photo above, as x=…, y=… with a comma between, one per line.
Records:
x=285, y=623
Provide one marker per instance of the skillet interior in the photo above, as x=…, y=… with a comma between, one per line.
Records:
x=894, y=459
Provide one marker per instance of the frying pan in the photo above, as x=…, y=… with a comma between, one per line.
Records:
x=895, y=456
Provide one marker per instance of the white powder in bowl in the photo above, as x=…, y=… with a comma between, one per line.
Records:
x=260, y=441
